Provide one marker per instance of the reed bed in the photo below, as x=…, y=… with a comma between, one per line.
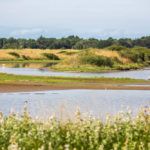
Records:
x=121, y=132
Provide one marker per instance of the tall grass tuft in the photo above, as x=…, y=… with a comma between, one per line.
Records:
x=26, y=57
x=93, y=59
x=15, y=54
x=51, y=56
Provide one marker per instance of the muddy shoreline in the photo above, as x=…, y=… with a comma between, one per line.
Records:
x=6, y=88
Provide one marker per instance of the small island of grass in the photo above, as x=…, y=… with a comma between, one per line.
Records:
x=86, y=60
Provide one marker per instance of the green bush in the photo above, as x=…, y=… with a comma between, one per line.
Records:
x=122, y=132
x=128, y=66
x=26, y=57
x=137, y=55
x=51, y=56
x=92, y=59
x=117, y=48
x=70, y=53
x=67, y=52
x=62, y=52
x=14, y=54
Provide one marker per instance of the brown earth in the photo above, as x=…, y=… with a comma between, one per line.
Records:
x=4, y=88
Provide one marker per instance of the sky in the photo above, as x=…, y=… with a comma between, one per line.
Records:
x=85, y=18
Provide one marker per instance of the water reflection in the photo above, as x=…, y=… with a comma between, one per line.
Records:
x=28, y=65
x=42, y=69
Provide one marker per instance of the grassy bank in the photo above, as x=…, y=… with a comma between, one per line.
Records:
x=8, y=78
x=98, y=60
x=87, y=60
x=93, y=68
x=121, y=132
x=19, y=83
x=34, y=54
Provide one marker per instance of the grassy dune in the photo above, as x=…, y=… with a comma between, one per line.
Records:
x=97, y=60
x=89, y=60
x=32, y=54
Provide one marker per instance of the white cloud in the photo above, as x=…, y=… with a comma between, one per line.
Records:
x=34, y=16
x=23, y=32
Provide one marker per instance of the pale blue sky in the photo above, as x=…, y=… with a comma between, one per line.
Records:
x=86, y=18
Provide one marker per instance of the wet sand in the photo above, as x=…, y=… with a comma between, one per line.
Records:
x=5, y=88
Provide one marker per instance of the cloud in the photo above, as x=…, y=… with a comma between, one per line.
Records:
x=23, y=32
x=84, y=17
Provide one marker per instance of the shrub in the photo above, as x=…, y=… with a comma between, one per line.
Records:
x=117, y=48
x=89, y=58
x=67, y=52
x=122, y=132
x=70, y=53
x=26, y=57
x=128, y=66
x=14, y=54
x=137, y=55
x=51, y=56
x=62, y=52
x=116, y=59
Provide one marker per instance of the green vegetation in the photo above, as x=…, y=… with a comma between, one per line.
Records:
x=121, y=132
x=26, y=57
x=71, y=42
x=137, y=55
x=96, y=60
x=51, y=56
x=68, y=52
x=114, y=57
x=8, y=78
x=117, y=48
x=92, y=59
x=14, y=54
x=130, y=66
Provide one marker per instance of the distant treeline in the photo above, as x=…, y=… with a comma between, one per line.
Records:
x=71, y=42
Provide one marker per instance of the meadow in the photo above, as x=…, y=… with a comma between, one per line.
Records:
x=119, y=132
x=9, y=78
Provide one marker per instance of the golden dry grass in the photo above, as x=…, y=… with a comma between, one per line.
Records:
x=32, y=53
x=37, y=54
x=5, y=55
x=74, y=60
x=111, y=54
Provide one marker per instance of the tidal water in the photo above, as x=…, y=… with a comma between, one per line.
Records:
x=136, y=74
x=64, y=103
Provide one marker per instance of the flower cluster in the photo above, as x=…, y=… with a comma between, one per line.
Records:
x=122, y=132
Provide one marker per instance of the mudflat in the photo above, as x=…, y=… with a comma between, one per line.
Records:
x=14, y=87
